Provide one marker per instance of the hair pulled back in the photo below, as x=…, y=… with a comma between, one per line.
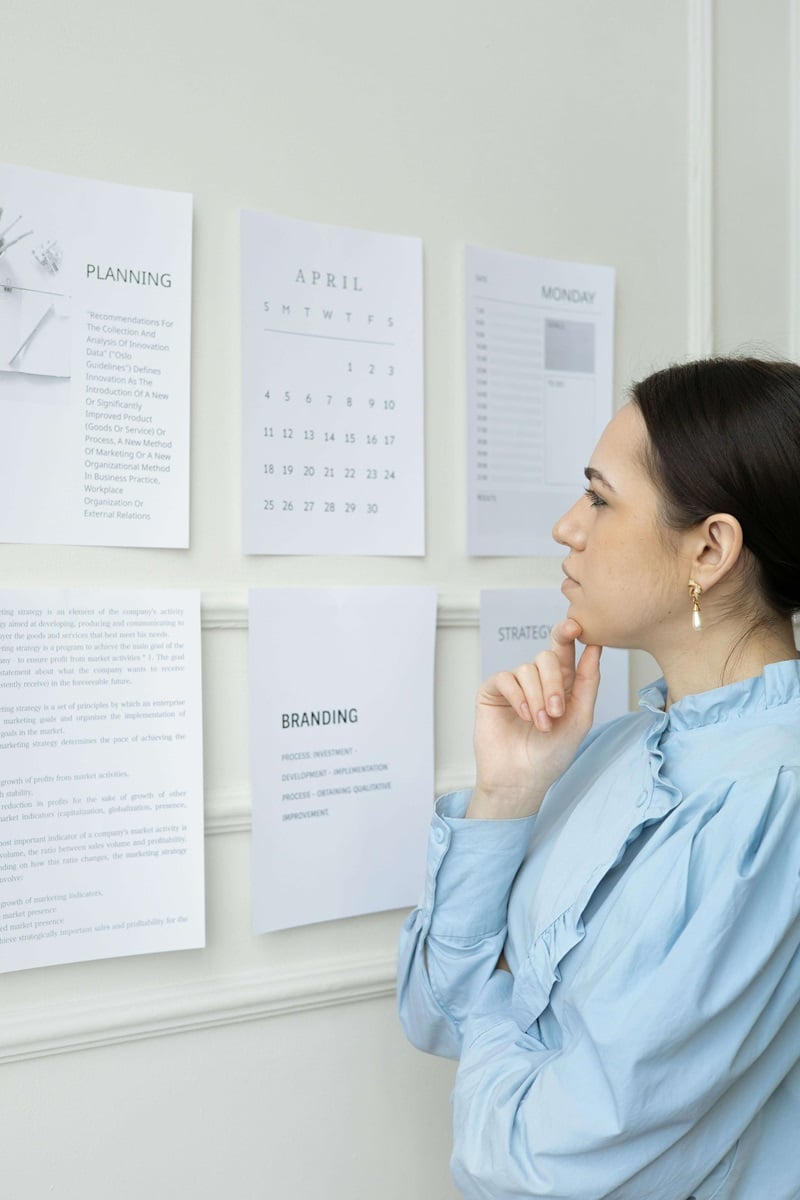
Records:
x=724, y=436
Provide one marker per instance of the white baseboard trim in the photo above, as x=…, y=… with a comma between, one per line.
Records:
x=160, y=1012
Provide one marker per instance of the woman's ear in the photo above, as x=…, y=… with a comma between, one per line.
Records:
x=717, y=550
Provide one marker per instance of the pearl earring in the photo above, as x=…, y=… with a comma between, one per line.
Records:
x=695, y=591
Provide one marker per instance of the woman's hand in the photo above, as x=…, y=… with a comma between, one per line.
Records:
x=529, y=724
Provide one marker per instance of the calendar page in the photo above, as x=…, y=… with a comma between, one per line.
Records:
x=332, y=423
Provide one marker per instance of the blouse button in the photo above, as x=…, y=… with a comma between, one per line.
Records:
x=438, y=835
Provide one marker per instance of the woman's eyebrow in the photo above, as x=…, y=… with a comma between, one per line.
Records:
x=592, y=473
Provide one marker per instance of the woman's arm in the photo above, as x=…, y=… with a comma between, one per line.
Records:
x=671, y=1040
x=450, y=945
x=528, y=727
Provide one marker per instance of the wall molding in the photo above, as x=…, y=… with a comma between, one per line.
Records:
x=229, y=610
x=109, y=1020
x=700, y=182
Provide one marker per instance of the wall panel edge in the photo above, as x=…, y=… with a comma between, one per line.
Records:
x=228, y=610
x=160, y=1012
x=794, y=179
x=700, y=179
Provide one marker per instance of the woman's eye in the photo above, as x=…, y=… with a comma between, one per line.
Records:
x=595, y=500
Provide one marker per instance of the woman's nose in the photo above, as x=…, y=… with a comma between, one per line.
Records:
x=568, y=529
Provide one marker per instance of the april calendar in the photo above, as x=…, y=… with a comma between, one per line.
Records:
x=332, y=419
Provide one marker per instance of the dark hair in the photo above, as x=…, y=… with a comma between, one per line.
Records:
x=725, y=437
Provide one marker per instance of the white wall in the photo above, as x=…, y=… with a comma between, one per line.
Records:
x=655, y=136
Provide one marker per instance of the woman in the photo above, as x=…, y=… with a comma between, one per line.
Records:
x=609, y=939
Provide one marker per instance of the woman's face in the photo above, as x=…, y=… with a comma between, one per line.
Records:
x=627, y=575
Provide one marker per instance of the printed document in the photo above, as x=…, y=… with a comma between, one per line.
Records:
x=539, y=385
x=101, y=781
x=341, y=737
x=95, y=302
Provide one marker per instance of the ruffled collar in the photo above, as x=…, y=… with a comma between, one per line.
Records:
x=778, y=684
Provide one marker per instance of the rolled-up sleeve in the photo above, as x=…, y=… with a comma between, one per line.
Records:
x=671, y=1040
x=450, y=944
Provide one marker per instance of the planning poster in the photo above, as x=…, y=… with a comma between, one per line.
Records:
x=332, y=421
x=515, y=627
x=539, y=341
x=95, y=300
x=341, y=737
x=101, y=780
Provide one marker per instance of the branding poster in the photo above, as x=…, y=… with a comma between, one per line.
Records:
x=341, y=746
x=540, y=340
x=515, y=627
x=332, y=397
x=95, y=304
x=101, y=778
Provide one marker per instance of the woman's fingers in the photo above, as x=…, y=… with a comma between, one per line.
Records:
x=587, y=680
x=562, y=644
x=505, y=689
x=541, y=691
x=522, y=691
x=549, y=677
x=530, y=678
x=535, y=690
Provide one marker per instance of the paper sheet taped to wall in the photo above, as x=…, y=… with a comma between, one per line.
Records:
x=539, y=385
x=95, y=303
x=341, y=733
x=101, y=788
x=332, y=420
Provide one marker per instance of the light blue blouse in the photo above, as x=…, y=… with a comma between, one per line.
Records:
x=647, y=1044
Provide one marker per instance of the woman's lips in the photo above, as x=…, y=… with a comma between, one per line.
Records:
x=569, y=582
